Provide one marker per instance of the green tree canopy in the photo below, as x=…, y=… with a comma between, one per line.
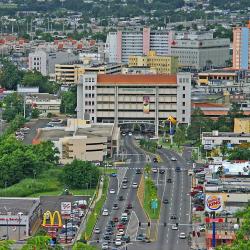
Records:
x=180, y=136
x=68, y=103
x=80, y=174
x=82, y=246
x=239, y=154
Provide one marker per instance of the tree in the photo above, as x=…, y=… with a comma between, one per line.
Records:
x=6, y=244
x=82, y=246
x=148, y=168
x=35, y=113
x=40, y=243
x=180, y=136
x=239, y=154
x=80, y=174
x=10, y=75
x=68, y=103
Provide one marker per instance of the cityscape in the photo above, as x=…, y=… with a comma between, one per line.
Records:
x=124, y=125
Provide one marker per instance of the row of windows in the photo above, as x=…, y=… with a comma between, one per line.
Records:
x=89, y=103
x=89, y=95
x=89, y=87
x=91, y=79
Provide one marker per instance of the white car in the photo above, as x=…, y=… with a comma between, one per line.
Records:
x=112, y=191
x=124, y=186
x=105, y=245
x=97, y=230
x=154, y=170
x=130, y=134
x=105, y=212
x=182, y=236
x=174, y=227
x=121, y=231
x=118, y=242
x=173, y=159
x=134, y=185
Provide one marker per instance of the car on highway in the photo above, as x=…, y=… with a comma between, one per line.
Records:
x=155, y=160
x=121, y=232
x=169, y=180
x=106, y=237
x=162, y=171
x=173, y=159
x=118, y=242
x=113, y=174
x=97, y=230
x=138, y=171
x=120, y=226
x=112, y=191
x=124, y=216
x=111, y=223
x=129, y=206
x=125, y=180
x=126, y=238
x=130, y=133
x=127, y=211
x=105, y=245
x=154, y=170
x=177, y=169
x=174, y=227
x=202, y=228
x=182, y=236
x=124, y=186
x=134, y=185
x=165, y=201
x=115, y=207
x=105, y=212
x=120, y=198
x=123, y=133
x=115, y=219
x=173, y=217
x=108, y=232
x=140, y=237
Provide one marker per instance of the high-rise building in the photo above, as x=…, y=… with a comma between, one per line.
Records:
x=134, y=98
x=122, y=44
x=161, y=64
x=241, y=47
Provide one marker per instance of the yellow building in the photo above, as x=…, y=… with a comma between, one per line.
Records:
x=69, y=74
x=162, y=64
x=241, y=125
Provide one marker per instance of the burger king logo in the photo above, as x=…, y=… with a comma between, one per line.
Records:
x=213, y=202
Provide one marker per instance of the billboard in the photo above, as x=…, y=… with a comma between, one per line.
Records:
x=52, y=219
x=146, y=101
x=213, y=203
x=65, y=208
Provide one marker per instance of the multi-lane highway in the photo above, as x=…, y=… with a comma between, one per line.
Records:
x=175, y=192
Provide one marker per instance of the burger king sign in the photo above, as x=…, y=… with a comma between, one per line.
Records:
x=213, y=203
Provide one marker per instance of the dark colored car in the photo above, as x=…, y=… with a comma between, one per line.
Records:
x=169, y=180
x=126, y=238
x=120, y=198
x=138, y=171
x=106, y=237
x=162, y=171
x=173, y=217
x=155, y=159
x=177, y=169
x=129, y=206
x=115, y=219
x=165, y=201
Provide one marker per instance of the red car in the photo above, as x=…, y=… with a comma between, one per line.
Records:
x=115, y=219
x=194, y=192
x=120, y=226
x=199, y=208
x=129, y=206
x=127, y=211
x=199, y=187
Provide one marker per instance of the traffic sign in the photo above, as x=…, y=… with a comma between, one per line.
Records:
x=211, y=220
x=154, y=204
x=65, y=208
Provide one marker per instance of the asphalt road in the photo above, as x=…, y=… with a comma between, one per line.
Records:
x=176, y=192
x=136, y=159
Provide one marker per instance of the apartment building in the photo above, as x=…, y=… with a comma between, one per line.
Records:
x=201, y=53
x=69, y=74
x=134, y=98
x=122, y=44
x=161, y=64
x=45, y=61
x=241, y=47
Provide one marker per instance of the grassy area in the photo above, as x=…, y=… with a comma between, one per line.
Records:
x=169, y=146
x=150, y=193
x=46, y=184
x=96, y=212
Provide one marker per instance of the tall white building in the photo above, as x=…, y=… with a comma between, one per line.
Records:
x=122, y=44
x=134, y=98
x=44, y=61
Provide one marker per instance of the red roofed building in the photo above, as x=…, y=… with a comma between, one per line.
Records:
x=134, y=98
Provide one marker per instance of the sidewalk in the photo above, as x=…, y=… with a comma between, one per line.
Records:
x=86, y=217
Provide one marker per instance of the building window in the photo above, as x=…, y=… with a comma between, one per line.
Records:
x=183, y=111
x=183, y=88
x=183, y=96
x=183, y=103
x=242, y=141
x=183, y=119
x=226, y=141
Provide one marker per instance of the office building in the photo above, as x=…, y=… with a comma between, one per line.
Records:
x=69, y=74
x=241, y=47
x=45, y=61
x=161, y=64
x=122, y=44
x=201, y=53
x=86, y=142
x=134, y=98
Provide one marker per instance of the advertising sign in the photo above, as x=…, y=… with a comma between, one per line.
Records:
x=146, y=101
x=213, y=203
x=65, y=208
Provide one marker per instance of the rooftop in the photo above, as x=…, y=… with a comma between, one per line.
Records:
x=225, y=134
x=16, y=205
x=136, y=79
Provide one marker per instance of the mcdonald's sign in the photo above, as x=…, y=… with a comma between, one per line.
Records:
x=52, y=219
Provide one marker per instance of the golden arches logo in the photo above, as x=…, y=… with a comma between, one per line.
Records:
x=52, y=219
